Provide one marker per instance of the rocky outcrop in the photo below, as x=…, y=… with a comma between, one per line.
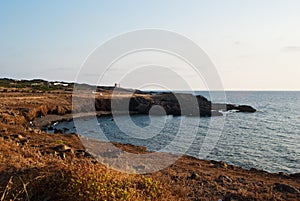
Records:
x=241, y=108
x=171, y=104
x=136, y=102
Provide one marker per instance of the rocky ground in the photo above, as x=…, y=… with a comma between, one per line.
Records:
x=35, y=165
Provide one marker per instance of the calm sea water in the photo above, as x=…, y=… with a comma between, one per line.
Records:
x=268, y=139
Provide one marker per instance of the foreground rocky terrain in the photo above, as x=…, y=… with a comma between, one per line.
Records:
x=35, y=165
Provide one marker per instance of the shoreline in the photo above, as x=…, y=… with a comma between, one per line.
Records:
x=49, y=120
x=31, y=154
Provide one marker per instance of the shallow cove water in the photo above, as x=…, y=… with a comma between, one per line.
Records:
x=268, y=139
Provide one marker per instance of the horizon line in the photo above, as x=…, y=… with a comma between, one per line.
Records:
x=229, y=89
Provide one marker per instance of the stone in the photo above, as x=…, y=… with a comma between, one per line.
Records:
x=245, y=108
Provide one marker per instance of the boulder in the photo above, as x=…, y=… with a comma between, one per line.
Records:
x=246, y=108
x=240, y=108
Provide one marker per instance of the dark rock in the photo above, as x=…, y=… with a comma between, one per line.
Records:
x=285, y=188
x=240, y=108
x=172, y=104
x=246, y=108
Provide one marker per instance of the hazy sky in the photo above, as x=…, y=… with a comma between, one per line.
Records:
x=254, y=44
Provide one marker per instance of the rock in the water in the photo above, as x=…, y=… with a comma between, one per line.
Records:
x=240, y=108
x=246, y=108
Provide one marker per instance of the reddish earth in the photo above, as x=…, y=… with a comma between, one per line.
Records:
x=29, y=155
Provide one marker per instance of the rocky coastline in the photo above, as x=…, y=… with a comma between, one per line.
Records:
x=35, y=165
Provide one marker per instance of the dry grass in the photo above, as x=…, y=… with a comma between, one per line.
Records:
x=26, y=174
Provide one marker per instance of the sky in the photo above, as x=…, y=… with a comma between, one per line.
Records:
x=254, y=44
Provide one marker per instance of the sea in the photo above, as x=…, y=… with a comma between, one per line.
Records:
x=268, y=139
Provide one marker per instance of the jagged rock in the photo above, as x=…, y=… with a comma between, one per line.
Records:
x=172, y=104
x=240, y=108
x=245, y=108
